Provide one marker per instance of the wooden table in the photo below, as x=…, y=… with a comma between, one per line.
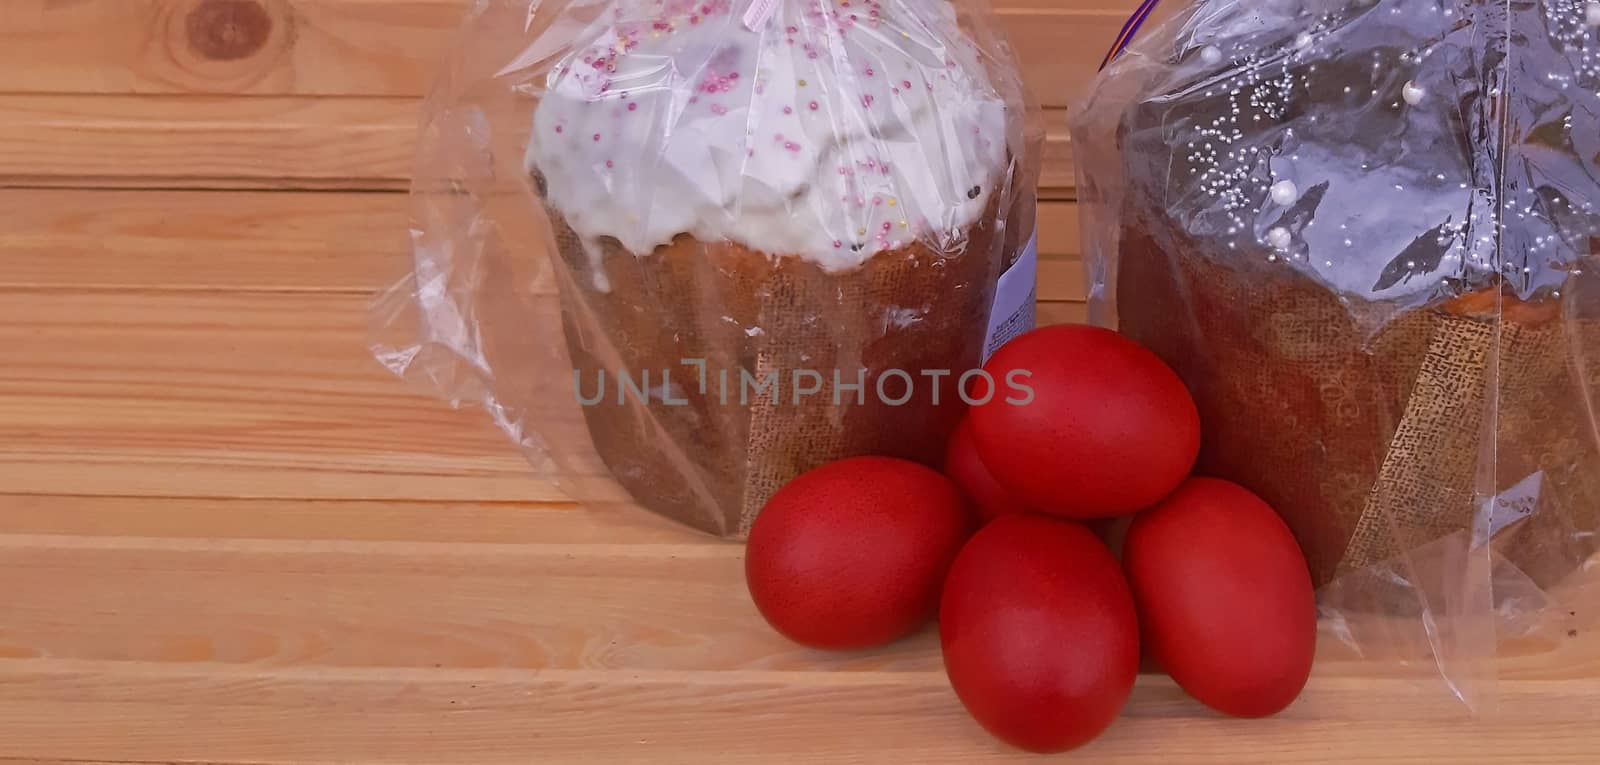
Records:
x=226, y=535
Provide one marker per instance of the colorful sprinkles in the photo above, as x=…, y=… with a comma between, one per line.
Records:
x=818, y=33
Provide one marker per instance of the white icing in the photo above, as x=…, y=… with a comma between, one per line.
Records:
x=833, y=131
x=1284, y=193
x=1413, y=93
x=1280, y=238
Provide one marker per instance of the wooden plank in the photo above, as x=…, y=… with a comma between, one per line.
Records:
x=134, y=712
x=1059, y=232
x=378, y=48
x=336, y=521
x=1062, y=312
x=349, y=242
x=188, y=240
x=1057, y=175
x=207, y=141
x=71, y=121
x=199, y=394
x=211, y=711
x=337, y=47
x=375, y=641
x=278, y=47
x=1061, y=273
x=1061, y=281
x=1060, y=49
x=222, y=394
x=366, y=553
x=676, y=605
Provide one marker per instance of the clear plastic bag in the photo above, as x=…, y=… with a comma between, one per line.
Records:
x=682, y=250
x=1364, y=233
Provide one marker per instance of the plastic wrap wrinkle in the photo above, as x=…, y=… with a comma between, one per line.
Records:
x=1364, y=235
x=629, y=214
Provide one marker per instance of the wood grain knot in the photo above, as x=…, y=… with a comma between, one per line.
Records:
x=227, y=30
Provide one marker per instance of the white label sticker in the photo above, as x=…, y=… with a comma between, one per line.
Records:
x=1013, y=313
x=1513, y=504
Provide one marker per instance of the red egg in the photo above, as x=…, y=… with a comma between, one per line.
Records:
x=1039, y=632
x=1224, y=597
x=966, y=468
x=853, y=554
x=1085, y=423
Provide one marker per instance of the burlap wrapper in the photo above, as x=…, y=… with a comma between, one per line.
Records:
x=712, y=461
x=1373, y=443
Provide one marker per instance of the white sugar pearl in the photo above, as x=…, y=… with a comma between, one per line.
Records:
x=1302, y=40
x=1285, y=192
x=1412, y=93
x=1210, y=54
x=1591, y=14
x=1279, y=238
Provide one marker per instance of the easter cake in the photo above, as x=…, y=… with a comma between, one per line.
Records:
x=1363, y=233
x=752, y=202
